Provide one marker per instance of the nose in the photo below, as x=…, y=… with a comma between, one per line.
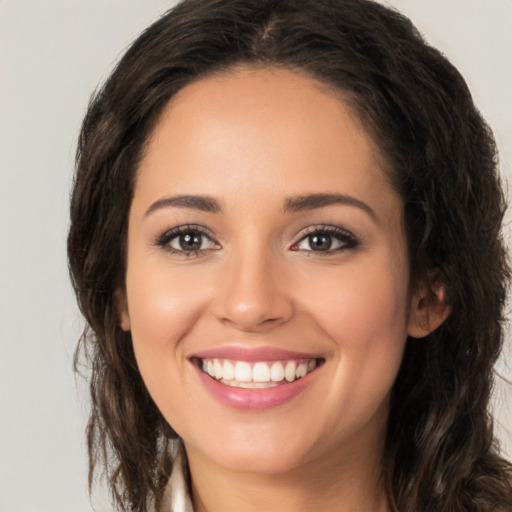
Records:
x=253, y=294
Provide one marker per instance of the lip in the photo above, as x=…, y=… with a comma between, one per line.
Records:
x=253, y=399
x=252, y=355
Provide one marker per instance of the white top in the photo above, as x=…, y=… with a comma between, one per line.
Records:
x=176, y=496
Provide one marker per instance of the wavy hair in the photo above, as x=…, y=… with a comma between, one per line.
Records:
x=440, y=452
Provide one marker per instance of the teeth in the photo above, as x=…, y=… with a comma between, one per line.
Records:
x=251, y=385
x=302, y=370
x=217, y=367
x=261, y=372
x=257, y=375
x=243, y=372
x=277, y=372
x=289, y=371
x=228, y=371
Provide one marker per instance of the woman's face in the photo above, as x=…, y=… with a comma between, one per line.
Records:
x=267, y=286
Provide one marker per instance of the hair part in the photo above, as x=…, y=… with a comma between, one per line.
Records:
x=440, y=450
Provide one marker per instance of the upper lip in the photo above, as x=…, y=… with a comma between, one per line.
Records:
x=252, y=354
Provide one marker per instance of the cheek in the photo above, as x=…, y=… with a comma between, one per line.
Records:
x=365, y=316
x=163, y=307
x=363, y=300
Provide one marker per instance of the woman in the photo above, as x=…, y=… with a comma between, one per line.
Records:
x=285, y=239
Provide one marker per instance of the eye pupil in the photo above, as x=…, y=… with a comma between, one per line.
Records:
x=320, y=242
x=190, y=241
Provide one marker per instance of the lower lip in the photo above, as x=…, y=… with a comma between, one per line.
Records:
x=255, y=399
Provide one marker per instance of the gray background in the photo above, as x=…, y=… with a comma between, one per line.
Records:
x=52, y=55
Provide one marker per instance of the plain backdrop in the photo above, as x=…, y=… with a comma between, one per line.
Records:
x=52, y=55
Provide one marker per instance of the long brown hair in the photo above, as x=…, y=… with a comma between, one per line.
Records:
x=441, y=454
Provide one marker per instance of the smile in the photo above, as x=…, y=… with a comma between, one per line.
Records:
x=256, y=378
x=258, y=374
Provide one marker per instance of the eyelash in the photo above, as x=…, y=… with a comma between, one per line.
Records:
x=346, y=240
x=166, y=238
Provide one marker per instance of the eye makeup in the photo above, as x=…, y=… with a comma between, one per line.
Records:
x=190, y=240
x=193, y=240
x=325, y=240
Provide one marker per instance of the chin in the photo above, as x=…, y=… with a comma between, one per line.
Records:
x=257, y=452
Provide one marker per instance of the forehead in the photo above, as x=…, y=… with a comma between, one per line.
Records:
x=260, y=131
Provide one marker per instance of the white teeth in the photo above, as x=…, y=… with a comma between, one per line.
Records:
x=257, y=375
x=261, y=372
x=218, y=369
x=289, y=371
x=277, y=372
x=243, y=372
x=228, y=371
x=250, y=385
x=302, y=370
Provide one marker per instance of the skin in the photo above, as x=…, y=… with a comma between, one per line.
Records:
x=250, y=139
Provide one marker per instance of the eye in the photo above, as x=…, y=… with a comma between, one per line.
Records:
x=327, y=240
x=187, y=240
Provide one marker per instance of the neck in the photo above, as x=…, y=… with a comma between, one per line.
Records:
x=345, y=482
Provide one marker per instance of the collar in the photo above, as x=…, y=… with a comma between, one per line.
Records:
x=176, y=496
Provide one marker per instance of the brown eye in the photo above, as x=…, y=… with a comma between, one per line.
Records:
x=320, y=242
x=190, y=241
x=187, y=241
x=328, y=240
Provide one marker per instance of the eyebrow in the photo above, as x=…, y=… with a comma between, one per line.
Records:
x=313, y=201
x=292, y=204
x=203, y=203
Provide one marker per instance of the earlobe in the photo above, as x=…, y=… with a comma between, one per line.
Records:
x=429, y=309
x=122, y=309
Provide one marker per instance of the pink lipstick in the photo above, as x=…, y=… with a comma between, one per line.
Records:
x=255, y=378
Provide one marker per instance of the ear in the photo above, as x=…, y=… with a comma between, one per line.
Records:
x=122, y=309
x=429, y=307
